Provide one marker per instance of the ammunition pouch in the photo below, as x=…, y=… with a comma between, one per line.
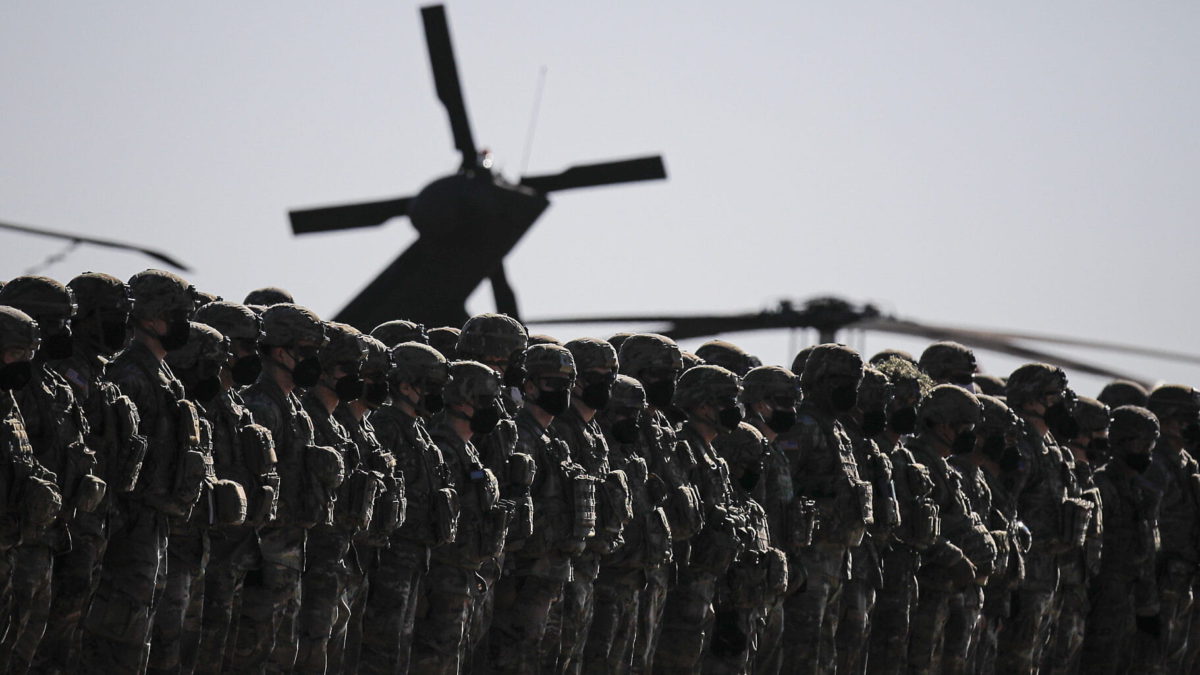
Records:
x=492, y=530
x=390, y=508
x=685, y=511
x=41, y=502
x=521, y=470
x=129, y=446
x=520, y=526
x=802, y=517
x=325, y=465
x=362, y=486
x=616, y=507
x=656, y=545
x=229, y=503
x=583, y=497
x=265, y=502
x=657, y=491
x=777, y=572
x=748, y=582
x=191, y=472
x=924, y=524
x=444, y=513
x=89, y=493
x=1077, y=516
x=258, y=449
x=716, y=546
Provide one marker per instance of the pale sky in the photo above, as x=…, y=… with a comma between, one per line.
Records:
x=1023, y=165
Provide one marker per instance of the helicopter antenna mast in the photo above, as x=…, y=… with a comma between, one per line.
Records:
x=537, y=105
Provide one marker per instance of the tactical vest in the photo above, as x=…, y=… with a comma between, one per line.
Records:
x=483, y=520
x=432, y=504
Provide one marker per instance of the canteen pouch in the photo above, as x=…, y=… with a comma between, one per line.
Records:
x=89, y=493
x=229, y=503
x=444, y=512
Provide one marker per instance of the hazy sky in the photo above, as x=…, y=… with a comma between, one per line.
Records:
x=1019, y=165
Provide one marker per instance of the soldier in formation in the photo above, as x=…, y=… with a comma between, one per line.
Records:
x=194, y=485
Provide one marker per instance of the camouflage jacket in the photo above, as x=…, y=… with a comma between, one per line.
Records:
x=420, y=463
x=964, y=534
x=481, y=519
x=56, y=426
x=284, y=417
x=347, y=507
x=544, y=552
x=1131, y=535
x=243, y=455
x=1043, y=487
x=388, y=509
x=647, y=535
x=1176, y=475
x=18, y=467
x=588, y=447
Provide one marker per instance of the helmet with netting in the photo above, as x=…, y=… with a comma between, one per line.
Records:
x=727, y=355
x=285, y=325
x=1033, y=381
x=158, y=294
x=471, y=383
x=392, y=333
x=707, y=384
x=643, y=352
x=949, y=404
x=496, y=336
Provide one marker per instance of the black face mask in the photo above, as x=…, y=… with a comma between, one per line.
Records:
x=993, y=447
x=376, y=393
x=1010, y=460
x=843, y=398
x=59, y=345
x=553, y=402
x=177, y=335
x=307, y=372
x=1191, y=433
x=514, y=374
x=246, y=370
x=730, y=417
x=1098, y=445
x=15, y=375
x=874, y=422
x=964, y=443
x=434, y=403
x=485, y=418
x=1059, y=421
x=781, y=420
x=114, y=335
x=1139, y=462
x=205, y=389
x=903, y=420
x=749, y=478
x=660, y=394
x=348, y=388
x=626, y=430
x=596, y=395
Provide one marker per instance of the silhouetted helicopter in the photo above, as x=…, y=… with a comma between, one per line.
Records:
x=829, y=316
x=467, y=222
x=76, y=239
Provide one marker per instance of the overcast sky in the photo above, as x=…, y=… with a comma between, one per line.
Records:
x=1020, y=165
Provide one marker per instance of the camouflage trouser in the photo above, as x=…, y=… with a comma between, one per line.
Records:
x=991, y=623
x=811, y=615
x=323, y=583
x=1175, y=596
x=347, y=630
x=233, y=552
x=187, y=555
x=1066, y=642
x=483, y=606
x=1191, y=663
x=116, y=629
x=391, y=608
x=76, y=574
x=687, y=623
x=894, y=605
x=578, y=605
x=1032, y=608
x=723, y=656
x=443, y=616
x=270, y=600
x=962, y=630
x=522, y=610
x=768, y=657
x=652, y=600
x=1110, y=628
x=929, y=628
x=610, y=640
x=854, y=625
x=31, y=588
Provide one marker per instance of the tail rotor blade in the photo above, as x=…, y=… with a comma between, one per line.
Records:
x=347, y=216
x=606, y=173
x=445, y=78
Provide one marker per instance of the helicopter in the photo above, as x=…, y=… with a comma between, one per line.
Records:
x=77, y=239
x=467, y=222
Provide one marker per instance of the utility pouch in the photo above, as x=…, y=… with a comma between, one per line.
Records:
x=130, y=446
x=685, y=511
x=617, y=505
x=716, y=546
x=89, y=493
x=583, y=497
x=363, y=487
x=229, y=503
x=258, y=448
x=1077, y=515
x=326, y=465
x=802, y=516
x=657, y=545
x=444, y=512
x=41, y=502
x=266, y=502
x=521, y=470
x=777, y=571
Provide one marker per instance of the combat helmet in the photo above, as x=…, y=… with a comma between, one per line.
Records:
x=627, y=394
x=98, y=292
x=234, y=321
x=707, y=384
x=471, y=383
x=875, y=391
x=830, y=361
x=989, y=384
x=1123, y=392
x=267, y=296
x=444, y=339
x=418, y=364
x=158, y=294
x=643, y=352
x=18, y=329
x=543, y=339
x=285, y=325
x=727, y=355
x=949, y=404
x=491, y=336
x=50, y=304
x=1091, y=415
x=392, y=333
x=766, y=383
x=591, y=353
x=549, y=360
x=1180, y=403
x=949, y=362
x=1033, y=381
x=1131, y=423
x=742, y=448
x=347, y=347
x=205, y=345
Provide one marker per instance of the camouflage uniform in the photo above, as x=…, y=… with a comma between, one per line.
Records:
x=99, y=330
x=398, y=570
x=538, y=570
x=823, y=469
x=29, y=496
x=965, y=553
x=119, y=620
x=266, y=631
x=452, y=584
x=1124, y=600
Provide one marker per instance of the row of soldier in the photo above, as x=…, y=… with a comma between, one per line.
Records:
x=193, y=485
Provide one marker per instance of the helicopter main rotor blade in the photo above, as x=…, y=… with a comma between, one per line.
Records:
x=445, y=78
x=347, y=216
x=605, y=173
x=108, y=243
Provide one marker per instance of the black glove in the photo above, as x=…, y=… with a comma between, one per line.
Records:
x=728, y=640
x=1150, y=625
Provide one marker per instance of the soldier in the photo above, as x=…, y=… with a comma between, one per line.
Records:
x=498, y=341
x=1123, y=392
x=119, y=619
x=100, y=329
x=1042, y=489
x=596, y=364
x=769, y=394
x=823, y=469
x=175, y=636
x=1125, y=599
x=472, y=407
x=330, y=560
x=862, y=423
x=1177, y=476
x=1089, y=424
x=655, y=362
x=987, y=474
x=444, y=339
x=990, y=385
x=56, y=425
x=308, y=473
x=386, y=513
x=243, y=453
x=267, y=296
x=540, y=567
x=920, y=521
x=959, y=562
x=416, y=381
x=949, y=363
x=392, y=333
